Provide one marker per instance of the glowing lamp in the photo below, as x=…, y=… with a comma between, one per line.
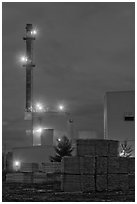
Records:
x=61, y=107
x=38, y=131
x=17, y=165
x=23, y=59
x=33, y=32
x=39, y=107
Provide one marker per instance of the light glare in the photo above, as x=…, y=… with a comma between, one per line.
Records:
x=17, y=163
x=39, y=107
x=61, y=107
x=38, y=130
x=33, y=32
x=23, y=59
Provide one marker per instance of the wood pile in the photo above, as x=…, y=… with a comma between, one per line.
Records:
x=87, y=165
x=19, y=177
x=51, y=167
x=98, y=167
x=87, y=183
x=101, y=182
x=71, y=182
x=70, y=165
x=97, y=147
x=39, y=177
x=29, y=167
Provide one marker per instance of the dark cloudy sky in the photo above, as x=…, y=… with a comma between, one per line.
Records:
x=82, y=51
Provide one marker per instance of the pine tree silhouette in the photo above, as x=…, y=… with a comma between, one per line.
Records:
x=63, y=148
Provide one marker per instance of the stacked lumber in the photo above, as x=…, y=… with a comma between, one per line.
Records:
x=131, y=181
x=29, y=167
x=78, y=173
x=98, y=167
x=119, y=173
x=131, y=173
x=70, y=165
x=53, y=177
x=71, y=182
x=39, y=177
x=70, y=169
x=131, y=165
x=87, y=183
x=101, y=173
x=19, y=177
x=51, y=167
x=101, y=182
x=97, y=147
x=85, y=147
x=87, y=165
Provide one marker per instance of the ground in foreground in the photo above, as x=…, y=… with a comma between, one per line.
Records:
x=40, y=193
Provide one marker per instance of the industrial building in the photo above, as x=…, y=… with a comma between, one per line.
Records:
x=44, y=126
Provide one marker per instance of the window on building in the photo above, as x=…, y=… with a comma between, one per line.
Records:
x=129, y=118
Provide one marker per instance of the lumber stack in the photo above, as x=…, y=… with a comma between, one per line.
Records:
x=29, y=167
x=19, y=177
x=78, y=173
x=51, y=167
x=97, y=167
x=97, y=147
x=39, y=177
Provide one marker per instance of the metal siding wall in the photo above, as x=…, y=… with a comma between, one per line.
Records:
x=47, y=137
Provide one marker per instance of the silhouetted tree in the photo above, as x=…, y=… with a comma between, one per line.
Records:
x=126, y=150
x=63, y=148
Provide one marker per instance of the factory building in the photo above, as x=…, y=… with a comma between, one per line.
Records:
x=60, y=122
x=44, y=127
x=47, y=128
x=34, y=154
x=119, y=117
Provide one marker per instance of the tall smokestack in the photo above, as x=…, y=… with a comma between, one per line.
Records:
x=29, y=70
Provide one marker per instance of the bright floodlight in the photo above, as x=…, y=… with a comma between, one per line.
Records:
x=17, y=165
x=61, y=107
x=23, y=59
x=59, y=139
x=39, y=107
x=38, y=130
x=33, y=32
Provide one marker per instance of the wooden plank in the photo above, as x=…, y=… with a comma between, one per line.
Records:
x=101, y=165
x=101, y=182
x=87, y=183
x=87, y=165
x=70, y=165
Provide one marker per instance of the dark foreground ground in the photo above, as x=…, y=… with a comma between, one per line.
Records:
x=46, y=193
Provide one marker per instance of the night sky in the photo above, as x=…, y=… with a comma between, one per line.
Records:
x=82, y=50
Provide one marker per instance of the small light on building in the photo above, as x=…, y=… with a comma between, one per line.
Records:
x=23, y=59
x=61, y=107
x=34, y=32
x=39, y=107
x=16, y=165
x=38, y=130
